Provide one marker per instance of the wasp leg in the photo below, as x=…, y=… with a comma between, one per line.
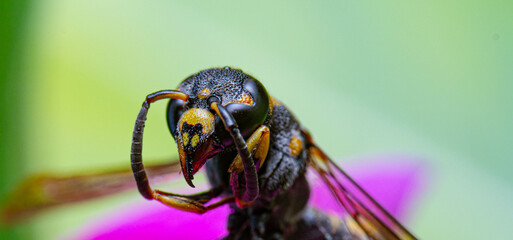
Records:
x=258, y=144
x=202, y=197
x=191, y=203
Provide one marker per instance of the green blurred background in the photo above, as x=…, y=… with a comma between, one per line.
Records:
x=426, y=79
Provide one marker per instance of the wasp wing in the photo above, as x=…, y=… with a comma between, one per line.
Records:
x=368, y=219
x=43, y=191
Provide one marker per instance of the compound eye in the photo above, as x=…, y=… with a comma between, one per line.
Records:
x=175, y=109
x=249, y=111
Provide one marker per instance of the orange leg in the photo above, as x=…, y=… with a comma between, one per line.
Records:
x=258, y=144
x=189, y=203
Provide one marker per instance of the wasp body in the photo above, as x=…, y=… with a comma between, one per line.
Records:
x=256, y=155
x=284, y=191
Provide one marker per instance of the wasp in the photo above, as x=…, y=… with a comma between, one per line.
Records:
x=256, y=155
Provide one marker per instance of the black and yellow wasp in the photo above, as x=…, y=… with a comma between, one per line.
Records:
x=256, y=155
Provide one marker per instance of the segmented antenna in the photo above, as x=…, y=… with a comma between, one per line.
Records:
x=250, y=174
x=140, y=175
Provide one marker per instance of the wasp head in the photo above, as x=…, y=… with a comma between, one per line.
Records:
x=195, y=141
x=198, y=132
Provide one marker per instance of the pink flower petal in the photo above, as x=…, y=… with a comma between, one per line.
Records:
x=393, y=181
x=151, y=220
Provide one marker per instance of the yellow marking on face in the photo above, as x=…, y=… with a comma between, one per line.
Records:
x=204, y=93
x=195, y=116
x=185, y=137
x=195, y=140
x=296, y=145
x=244, y=98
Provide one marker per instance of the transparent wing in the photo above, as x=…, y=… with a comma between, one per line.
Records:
x=366, y=218
x=43, y=191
